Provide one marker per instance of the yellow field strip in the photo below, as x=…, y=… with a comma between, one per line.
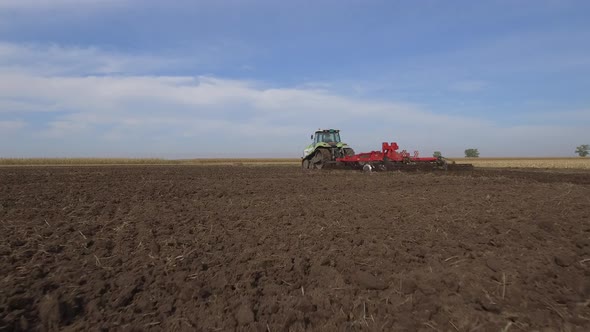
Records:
x=139, y=161
x=575, y=163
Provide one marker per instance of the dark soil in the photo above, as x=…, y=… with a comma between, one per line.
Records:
x=278, y=249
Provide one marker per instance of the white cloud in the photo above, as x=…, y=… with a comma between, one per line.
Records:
x=61, y=129
x=199, y=108
x=16, y=106
x=186, y=116
x=11, y=125
x=578, y=116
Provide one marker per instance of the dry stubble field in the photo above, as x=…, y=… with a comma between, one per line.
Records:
x=214, y=248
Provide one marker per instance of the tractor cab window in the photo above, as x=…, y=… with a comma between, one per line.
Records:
x=327, y=137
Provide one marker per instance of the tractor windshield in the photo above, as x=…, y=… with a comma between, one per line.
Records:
x=327, y=137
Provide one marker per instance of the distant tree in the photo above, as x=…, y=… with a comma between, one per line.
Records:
x=437, y=154
x=583, y=150
x=471, y=153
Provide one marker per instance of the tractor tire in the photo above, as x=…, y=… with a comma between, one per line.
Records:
x=305, y=164
x=320, y=158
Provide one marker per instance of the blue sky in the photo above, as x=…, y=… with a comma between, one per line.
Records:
x=182, y=79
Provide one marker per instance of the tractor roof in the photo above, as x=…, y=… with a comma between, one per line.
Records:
x=327, y=131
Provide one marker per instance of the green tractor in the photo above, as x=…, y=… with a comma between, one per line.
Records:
x=324, y=149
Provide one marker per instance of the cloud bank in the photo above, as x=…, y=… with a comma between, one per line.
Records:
x=68, y=101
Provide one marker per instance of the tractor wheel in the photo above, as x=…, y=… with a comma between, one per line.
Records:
x=320, y=158
x=305, y=164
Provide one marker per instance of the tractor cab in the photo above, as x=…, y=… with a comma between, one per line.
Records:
x=330, y=136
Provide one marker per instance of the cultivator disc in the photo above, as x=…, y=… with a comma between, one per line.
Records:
x=442, y=165
x=384, y=166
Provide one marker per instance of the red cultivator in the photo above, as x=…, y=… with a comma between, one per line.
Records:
x=390, y=159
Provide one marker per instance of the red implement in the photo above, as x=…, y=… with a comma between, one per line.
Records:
x=390, y=159
x=388, y=153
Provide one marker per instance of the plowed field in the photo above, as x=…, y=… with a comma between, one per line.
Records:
x=277, y=249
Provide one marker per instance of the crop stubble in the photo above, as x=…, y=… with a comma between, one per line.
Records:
x=275, y=248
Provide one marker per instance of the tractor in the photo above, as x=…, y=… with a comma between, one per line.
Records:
x=325, y=149
x=328, y=151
